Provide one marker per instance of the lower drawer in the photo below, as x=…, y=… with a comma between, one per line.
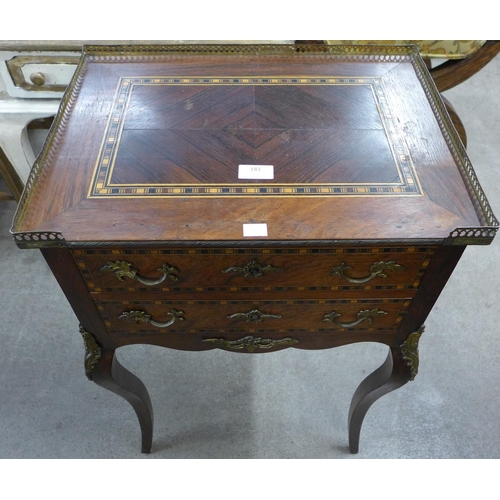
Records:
x=241, y=316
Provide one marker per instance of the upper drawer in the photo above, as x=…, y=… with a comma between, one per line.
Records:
x=36, y=75
x=283, y=269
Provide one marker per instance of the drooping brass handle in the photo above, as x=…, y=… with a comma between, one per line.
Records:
x=254, y=316
x=253, y=269
x=143, y=317
x=377, y=269
x=123, y=269
x=367, y=315
x=252, y=343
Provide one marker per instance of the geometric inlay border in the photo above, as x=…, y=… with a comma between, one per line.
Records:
x=102, y=186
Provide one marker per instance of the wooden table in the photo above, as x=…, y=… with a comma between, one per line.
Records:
x=252, y=198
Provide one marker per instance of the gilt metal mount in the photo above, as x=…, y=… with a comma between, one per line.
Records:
x=251, y=344
x=409, y=349
x=92, y=351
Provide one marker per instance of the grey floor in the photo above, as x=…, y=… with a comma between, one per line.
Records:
x=289, y=404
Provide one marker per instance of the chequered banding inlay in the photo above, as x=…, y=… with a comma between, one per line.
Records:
x=103, y=186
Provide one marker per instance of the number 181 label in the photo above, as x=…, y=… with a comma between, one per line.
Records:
x=255, y=172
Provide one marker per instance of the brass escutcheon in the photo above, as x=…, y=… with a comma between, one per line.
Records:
x=254, y=316
x=252, y=269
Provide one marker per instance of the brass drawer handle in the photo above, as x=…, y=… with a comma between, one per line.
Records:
x=254, y=316
x=367, y=315
x=123, y=269
x=252, y=343
x=143, y=317
x=377, y=269
x=253, y=269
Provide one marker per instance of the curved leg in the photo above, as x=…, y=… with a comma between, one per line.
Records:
x=102, y=367
x=400, y=367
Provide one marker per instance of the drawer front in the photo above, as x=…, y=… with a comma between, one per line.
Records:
x=253, y=270
x=162, y=317
x=37, y=74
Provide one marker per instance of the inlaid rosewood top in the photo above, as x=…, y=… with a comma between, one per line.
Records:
x=149, y=143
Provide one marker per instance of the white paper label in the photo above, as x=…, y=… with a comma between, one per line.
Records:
x=255, y=172
x=254, y=229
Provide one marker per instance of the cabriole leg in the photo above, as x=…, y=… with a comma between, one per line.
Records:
x=400, y=367
x=102, y=367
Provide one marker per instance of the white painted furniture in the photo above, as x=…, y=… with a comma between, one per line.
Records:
x=33, y=78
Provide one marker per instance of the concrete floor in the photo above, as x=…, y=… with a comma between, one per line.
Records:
x=289, y=404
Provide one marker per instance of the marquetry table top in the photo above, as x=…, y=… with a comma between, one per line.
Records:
x=190, y=143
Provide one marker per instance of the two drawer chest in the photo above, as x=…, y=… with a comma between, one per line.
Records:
x=252, y=198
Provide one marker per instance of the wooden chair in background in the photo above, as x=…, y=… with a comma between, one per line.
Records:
x=462, y=59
